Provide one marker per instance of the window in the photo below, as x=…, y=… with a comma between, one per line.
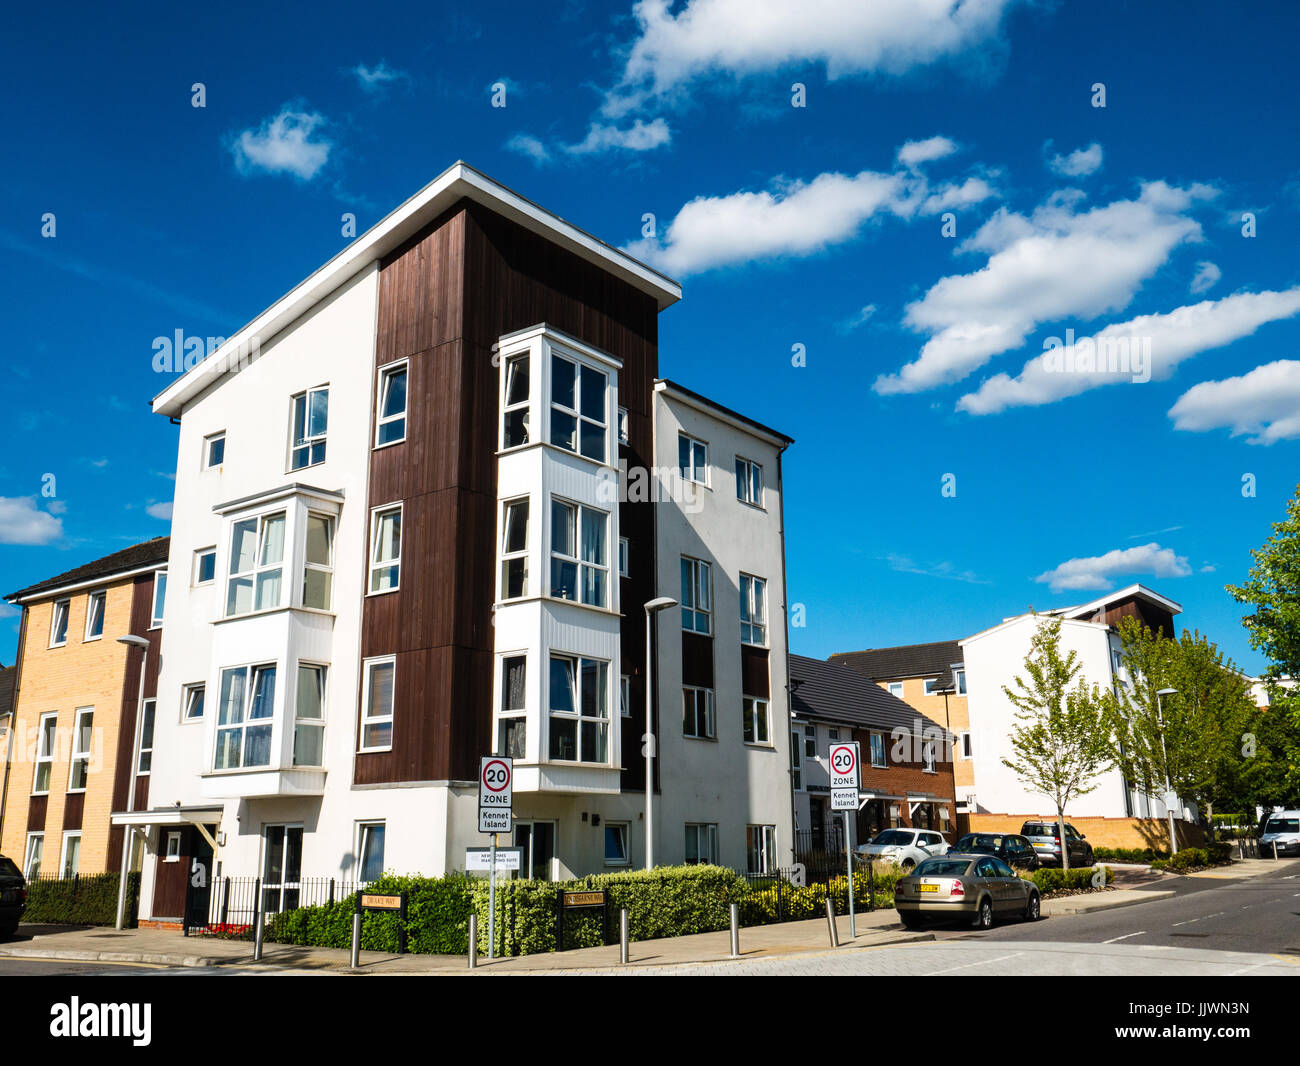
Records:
x=579, y=706
x=192, y=702
x=701, y=843
x=625, y=696
x=95, y=615
x=45, y=753
x=318, y=562
x=616, y=850
x=377, y=704
x=622, y=425
x=878, y=750
x=256, y=564
x=931, y=683
x=145, y=762
x=205, y=566
x=244, y=717
x=693, y=459
x=749, y=482
x=159, y=598
x=896, y=689
x=79, y=771
x=370, y=851
x=795, y=762
x=959, y=677
x=578, y=419
x=390, y=421
x=173, y=852
x=965, y=746
x=59, y=624
x=760, y=848
x=538, y=841
x=512, y=728
x=514, y=550
x=71, y=854
x=214, y=450
x=753, y=610
x=35, y=852
x=927, y=756
x=697, y=712
x=623, y=556
x=385, y=549
x=281, y=867
x=579, y=570
x=832, y=734
x=696, y=598
x=309, y=717
x=310, y=417
x=754, y=716
x=810, y=741
x=514, y=431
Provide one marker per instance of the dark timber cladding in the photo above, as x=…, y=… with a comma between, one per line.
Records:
x=445, y=298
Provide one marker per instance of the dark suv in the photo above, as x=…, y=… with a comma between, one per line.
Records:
x=13, y=897
x=1013, y=850
x=1046, y=839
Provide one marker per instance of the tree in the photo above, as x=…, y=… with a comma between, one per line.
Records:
x=1273, y=590
x=1060, y=742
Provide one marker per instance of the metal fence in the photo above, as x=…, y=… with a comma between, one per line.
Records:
x=231, y=906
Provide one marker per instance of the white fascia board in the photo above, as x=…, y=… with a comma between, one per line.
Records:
x=1139, y=591
x=283, y=492
x=714, y=412
x=1020, y=618
x=458, y=181
x=561, y=340
x=102, y=581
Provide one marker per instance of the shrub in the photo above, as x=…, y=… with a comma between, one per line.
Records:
x=1128, y=854
x=1051, y=879
x=90, y=900
x=1214, y=854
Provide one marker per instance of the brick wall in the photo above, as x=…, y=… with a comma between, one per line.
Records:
x=955, y=718
x=1100, y=832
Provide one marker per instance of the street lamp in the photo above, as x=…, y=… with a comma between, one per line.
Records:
x=128, y=832
x=1164, y=751
x=652, y=607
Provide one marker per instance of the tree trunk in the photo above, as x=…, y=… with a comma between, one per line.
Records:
x=1065, y=843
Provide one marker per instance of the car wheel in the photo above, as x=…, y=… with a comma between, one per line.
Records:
x=910, y=921
x=984, y=917
x=8, y=932
x=906, y=864
x=1089, y=861
x=1034, y=908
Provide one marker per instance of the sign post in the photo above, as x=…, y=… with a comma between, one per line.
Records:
x=495, y=803
x=845, y=785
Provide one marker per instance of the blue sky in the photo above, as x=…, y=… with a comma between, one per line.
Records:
x=821, y=225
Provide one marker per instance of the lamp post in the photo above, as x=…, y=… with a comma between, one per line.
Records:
x=652, y=607
x=128, y=832
x=1164, y=751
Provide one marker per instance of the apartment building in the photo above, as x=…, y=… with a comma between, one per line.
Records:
x=424, y=499
x=80, y=745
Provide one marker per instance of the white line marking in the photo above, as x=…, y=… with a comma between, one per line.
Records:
x=1115, y=940
x=966, y=965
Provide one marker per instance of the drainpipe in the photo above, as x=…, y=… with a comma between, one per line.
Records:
x=785, y=625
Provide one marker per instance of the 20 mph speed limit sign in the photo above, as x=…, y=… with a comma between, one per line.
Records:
x=844, y=776
x=495, y=794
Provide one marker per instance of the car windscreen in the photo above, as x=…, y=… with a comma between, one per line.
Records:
x=1282, y=825
x=8, y=869
x=942, y=868
x=1038, y=829
x=893, y=836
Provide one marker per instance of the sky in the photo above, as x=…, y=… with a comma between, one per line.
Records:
x=906, y=232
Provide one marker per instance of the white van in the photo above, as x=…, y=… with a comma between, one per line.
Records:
x=1282, y=827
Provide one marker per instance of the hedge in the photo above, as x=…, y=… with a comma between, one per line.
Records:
x=1128, y=854
x=1215, y=854
x=1051, y=879
x=89, y=900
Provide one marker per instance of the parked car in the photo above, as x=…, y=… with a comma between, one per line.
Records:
x=13, y=897
x=977, y=887
x=1014, y=850
x=1046, y=840
x=1282, y=828
x=906, y=847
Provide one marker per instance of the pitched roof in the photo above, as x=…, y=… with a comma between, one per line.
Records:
x=831, y=691
x=907, y=660
x=8, y=676
x=137, y=557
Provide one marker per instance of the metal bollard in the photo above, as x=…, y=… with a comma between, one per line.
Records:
x=830, y=923
x=623, y=935
x=257, y=940
x=356, y=940
x=473, y=941
x=1275, y=851
x=735, y=930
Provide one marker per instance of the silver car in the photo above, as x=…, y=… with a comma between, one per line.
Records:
x=974, y=887
x=905, y=847
x=1283, y=829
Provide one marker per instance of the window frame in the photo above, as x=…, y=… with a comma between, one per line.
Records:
x=148, y=726
x=959, y=681
x=196, y=579
x=525, y=405
x=372, y=563
x=692, y=443
x=701, y=581
x=581, y=566
x=622, y=431
x=308, y=442
x=171, y=835
x=251, y=672
x=385, y=374
x=711, y=839
x=810, y=740
x=624, y=557
x=767, y=849
x=318, y=723
x=76, y=755
x=576, y=412
x=48, y=758
x=70, y=835
x=891, y=686
x=626, y=833
x=878, y=739
x=746, y=469
x=187, y=694
x=327, y=568
x=752, y=605
x=99, y=596
x=508, y=556
x=367, y=667
x=929, y=684
x=625, y=695
x=511, y=715
x=61, y=609
x=261, y=522
x=212, y=439
x=766, y=718
x=710, y=712
x=796, y=760
x=579, y=713
x=929, y=761
x=157, y=612
x=37, y=837
x=364, y=831
x=964, y=744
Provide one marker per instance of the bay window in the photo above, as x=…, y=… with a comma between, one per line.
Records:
x=512, y=725
x=514, y=419
x=579, y=568
x=753, y=610
x=318, y=563
x=579, y=422
x=696, y=598
x=256, y=564
x=310, y=420
x=244, y=715
x=309, y=717
x=514, y=549
x=579, y=709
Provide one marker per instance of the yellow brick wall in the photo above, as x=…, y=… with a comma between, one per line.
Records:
x=957, y=721
x=78, y=674
x=1100, y=832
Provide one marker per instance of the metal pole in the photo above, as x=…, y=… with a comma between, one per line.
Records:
x=130, y=788
x=492, y=900
x=830, y=923
x=1275, y=851
x=649, y=750
x=623, y=936
x=848, y=849
x=735, y=930
x=356, y=939
x=257, y=938
x=473, y=941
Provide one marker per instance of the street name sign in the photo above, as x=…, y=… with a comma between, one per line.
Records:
x=508, y=859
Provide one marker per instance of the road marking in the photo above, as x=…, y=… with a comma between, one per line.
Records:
x=1117, y=939
x=966, y=965
x=1188, y=922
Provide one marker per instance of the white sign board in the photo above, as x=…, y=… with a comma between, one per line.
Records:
x=508, y=859
x=496, y=778
x=844, y=776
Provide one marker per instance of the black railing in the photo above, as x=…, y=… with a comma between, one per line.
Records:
x=231, y=906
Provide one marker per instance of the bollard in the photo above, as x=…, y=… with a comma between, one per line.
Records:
x=830, y=923
x=356, y=940
x=622, y=935
x=735, y=930
x=1275, y=851
x=473, y=941
x=257, y=940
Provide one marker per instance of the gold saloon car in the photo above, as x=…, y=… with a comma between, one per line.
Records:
x=976, y=887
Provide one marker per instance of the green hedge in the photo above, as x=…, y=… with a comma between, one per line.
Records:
x=89, y=900
x=1128, y=854
x=1216, y=854
x=1051, y=879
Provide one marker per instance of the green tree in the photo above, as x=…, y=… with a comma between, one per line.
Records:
x=1060, y=742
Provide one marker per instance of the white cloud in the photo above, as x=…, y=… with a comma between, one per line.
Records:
x=376, y=79
x=283, y=144
x=1207, y=276
x=639, y=137
x=1162, y=340
x=161, y=510
x=530, y=146
x=854, y=321
x=945, y=570
x=22, y=522
x=1078, y=164
x=914, y=153
x=1265, y=404
x=1055, y=263
x=57, y=507
x=99, y=462
x=956, y=197
x=742, y=37
x=1098, y=572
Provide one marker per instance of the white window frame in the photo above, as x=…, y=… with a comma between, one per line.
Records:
x=575, y=412
x=624, y=557
x=251, y=673
x=386, y=373
x=700, y=588
x=322, y=674
x=883, y=764
x=691, y=470
x=896, y=685
x=508, y=556
x=47, y=758
x=100, y=597
x=810, y=740
x=367, y=666
x=508, y=409
x=208, y=442
x=308, y=442
x=362, y=832
x=767, y=846
x=326, y=568
x=511, y=714
x=929, y=765
x=374, y=563
x=756, y=715
x=62, y=608
x=930, y=683
x=966, y=749
x=33, y=838
x=706, y=832
x=625, y=830
x=78, y=755
x=156, y=611
x=753, y=610
x=622, y=425
x=149, y=714
x=197, y=580
x=579, y=714
x=581, y=566
x=69, y=835
x=187, y=700
x=259, y=569
x=959, y=681
x=173, y=836
x=746, y=469
x=710, y=713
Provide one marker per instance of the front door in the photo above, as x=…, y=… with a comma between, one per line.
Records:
x=198, y=891
x=538, y=841
x=817, y=823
